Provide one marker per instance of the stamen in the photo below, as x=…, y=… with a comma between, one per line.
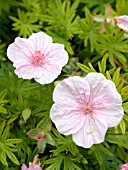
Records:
x=88, y=109
x=37, y=58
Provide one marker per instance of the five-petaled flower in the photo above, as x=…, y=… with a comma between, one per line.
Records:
x=37, y=57
x=86, y=107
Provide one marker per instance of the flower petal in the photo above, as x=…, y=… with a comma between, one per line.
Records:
x=42, y=42
x=72, y=90
x=57, y=56
x=68, y=112
x=109, y=108
x=67, y=118
x=124, y=166
x=20, y=50
x=105, y=99
x=48, y=75
x=23, y=167
x=92, y=132
x=25, y=72
x=122, y=22
x=96, y=82
x=53, y=63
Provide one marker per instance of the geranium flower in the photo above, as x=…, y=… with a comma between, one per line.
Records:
x=37, y=57
x=124, y=167
x=86, y=107
x=122, y=22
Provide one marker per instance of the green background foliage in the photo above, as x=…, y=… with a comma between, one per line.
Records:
x=93, y=46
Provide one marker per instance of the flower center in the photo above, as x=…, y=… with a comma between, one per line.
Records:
x=39, y=137
x=37, y=58
x=88, y=109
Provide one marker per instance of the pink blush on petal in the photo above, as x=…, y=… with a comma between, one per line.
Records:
x=37, y=58
x=88, y=109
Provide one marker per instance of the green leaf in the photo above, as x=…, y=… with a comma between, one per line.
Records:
x=113, y=44
x=26, y=114
x=121, y=154
x=102, y=65
x=64, y=143
x=61, y=18
x=11, y=155
x=12, y=119
x=88, y=30
x=69, y=164
x=118, y=139
x=41, y=145
x=5, y=7
x=65, y=162
x=49, y=139
x=120, y=85
x=98, y=154
x=126, y=117
x=45, y=124
x=3, y=157
x=92, y=68
x=108, y=75
x=2, y=128
x=2, y=96
x=122, y=126
x=124, y=90
x=116, y=76
x=7, y=146
x=55, y=162
x=2, y=109
x=85, y=68
x=2, y=101
x=25, y=23
x=5, y=133
x=121, y=7
x=33, y=133
x=13, y=141
x=103, y=149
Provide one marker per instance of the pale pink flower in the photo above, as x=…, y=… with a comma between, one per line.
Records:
x=122, y=22
x=37, y=57
x=86, y=107
x=31, y=167
x=124, y=167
